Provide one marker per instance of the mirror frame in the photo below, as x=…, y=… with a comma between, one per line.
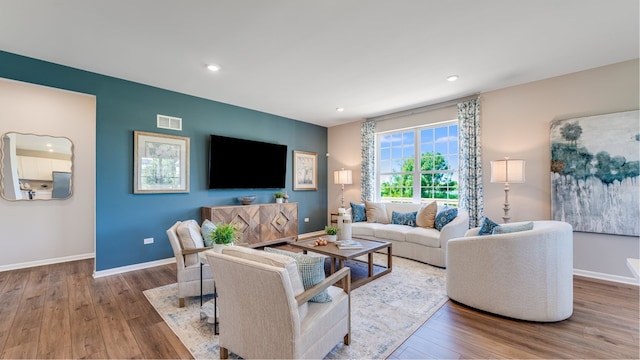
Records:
x=2, y=164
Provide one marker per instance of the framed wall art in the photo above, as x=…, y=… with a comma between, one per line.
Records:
x=161, y=163
x=305, y=170
x=594, y=173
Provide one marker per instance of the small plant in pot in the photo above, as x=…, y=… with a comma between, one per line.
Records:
x=332, y=232
x=223, y=235
x=279, y=197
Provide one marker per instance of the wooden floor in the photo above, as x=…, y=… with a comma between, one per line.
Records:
x=60, y=311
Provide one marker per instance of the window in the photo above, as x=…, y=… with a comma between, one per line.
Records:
x=435, y=148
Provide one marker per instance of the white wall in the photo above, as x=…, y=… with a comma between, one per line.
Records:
x=38, y=232
x=516, y=122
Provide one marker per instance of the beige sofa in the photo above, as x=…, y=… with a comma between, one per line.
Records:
x=426, y=245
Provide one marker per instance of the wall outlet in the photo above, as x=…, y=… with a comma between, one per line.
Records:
x=148, y=241
x=306, y=219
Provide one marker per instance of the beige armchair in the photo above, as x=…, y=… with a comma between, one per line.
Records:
x=265, y=312
x=187, y=243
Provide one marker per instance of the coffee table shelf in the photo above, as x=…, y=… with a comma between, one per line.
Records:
x=338, y=257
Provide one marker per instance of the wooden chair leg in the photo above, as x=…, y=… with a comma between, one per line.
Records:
x=224, y=353
x=181, y=302
x=347, y=339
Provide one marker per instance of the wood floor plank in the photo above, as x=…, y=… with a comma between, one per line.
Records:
x=87, y=341
x=25, y=330
x=113, y=325
x=55, y=333
x=16, y=282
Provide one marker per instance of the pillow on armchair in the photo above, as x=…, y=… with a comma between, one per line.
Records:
x=190, y=238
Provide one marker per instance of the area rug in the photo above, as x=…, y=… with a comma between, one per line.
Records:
x=384, y=312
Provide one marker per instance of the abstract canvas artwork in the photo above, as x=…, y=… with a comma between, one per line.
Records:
x=595, y=173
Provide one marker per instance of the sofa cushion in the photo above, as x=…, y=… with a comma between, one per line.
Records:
x=190, y=238
x=487, y=227
x=392, y=232
x=404, y=218
x=504, y=229
x=422, y=236
x=273, y=259
x=206, y=229
x=365, y=228
x=358, y=212
x=445, y=216
x=311, y=269
x=426, y=216
x=376, y=212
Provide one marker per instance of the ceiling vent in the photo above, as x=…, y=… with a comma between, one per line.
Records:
x=169, y=122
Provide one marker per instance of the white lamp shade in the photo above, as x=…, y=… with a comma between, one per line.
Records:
x=342, y=177
x=507, y=171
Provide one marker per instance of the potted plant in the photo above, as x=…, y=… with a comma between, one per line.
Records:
x=279, y=197
x=332, y=232
x=223, y=235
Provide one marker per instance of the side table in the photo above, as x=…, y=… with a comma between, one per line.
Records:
x=203, y=262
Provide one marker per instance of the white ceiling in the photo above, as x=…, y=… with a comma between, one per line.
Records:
x=302, y=59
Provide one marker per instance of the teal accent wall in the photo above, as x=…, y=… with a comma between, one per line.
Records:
x=123, y=219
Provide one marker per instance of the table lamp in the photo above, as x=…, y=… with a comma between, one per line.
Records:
x=507, y=171
x=342, y=177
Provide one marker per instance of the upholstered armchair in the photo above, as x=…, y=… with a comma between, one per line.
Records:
x=265, y=311
x=525, y=275
x=186, y=241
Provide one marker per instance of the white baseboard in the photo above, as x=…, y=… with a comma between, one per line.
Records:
x=123, y=269
x=29, y=264
x=606, y=277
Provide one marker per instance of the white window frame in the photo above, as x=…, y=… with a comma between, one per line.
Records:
x=416, y=174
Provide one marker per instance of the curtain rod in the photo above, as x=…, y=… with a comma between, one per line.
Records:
x=422, y=109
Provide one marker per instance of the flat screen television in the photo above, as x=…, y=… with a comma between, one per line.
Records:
x=246, y=164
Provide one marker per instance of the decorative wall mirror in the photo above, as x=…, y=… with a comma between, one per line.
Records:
x=35, y=167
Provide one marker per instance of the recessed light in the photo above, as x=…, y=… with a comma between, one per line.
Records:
x=452, y=78
x=213, y=67
x=340, y=109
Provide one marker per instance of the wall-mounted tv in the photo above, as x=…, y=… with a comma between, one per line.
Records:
x=246, y=164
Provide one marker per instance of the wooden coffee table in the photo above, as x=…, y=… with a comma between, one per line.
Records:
x=340, y=256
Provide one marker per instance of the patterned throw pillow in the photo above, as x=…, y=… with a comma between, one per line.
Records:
x=206, y=229
x=426, y=216
x=311, y=270
x=404, y=218
x=358, y=212
x=487, y=227
x=504, y=229
x=445, y=216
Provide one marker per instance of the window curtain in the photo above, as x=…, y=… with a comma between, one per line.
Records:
x=368, y=167
x=470, y=160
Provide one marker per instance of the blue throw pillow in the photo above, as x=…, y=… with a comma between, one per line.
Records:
x=503, y=229
x=404, y=218
x=445, y=216
x=487, y=227
x=358, y=212
x=311, y=269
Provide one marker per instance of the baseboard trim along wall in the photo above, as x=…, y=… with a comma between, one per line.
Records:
x=29, y=264
x=606, y=277
x=124, y=269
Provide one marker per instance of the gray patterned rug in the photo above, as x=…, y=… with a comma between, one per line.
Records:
x=384, y=312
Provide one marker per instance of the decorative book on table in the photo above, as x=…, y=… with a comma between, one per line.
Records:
x=348, y=244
